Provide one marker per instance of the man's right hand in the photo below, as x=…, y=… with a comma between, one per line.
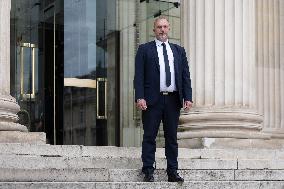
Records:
x=141, y=104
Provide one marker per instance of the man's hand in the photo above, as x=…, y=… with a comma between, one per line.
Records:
x=187, y=105
x=141, y=104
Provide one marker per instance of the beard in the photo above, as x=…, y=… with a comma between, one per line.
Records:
x=162, y=37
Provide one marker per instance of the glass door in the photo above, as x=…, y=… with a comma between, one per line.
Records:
x=26, y=65
x=90, y=103
x=65, y=72
x=81, y=69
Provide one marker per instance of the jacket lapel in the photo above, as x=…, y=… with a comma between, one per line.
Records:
x=175, y=54
x=155, y=52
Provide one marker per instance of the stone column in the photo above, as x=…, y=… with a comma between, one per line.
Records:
x=8, y=105
x=219, y=37
x=281, y=8
x=129, y=15
x=270, y=65
x=9, y=130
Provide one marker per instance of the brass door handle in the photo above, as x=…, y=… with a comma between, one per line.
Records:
x=104, y=80
x=24, y=95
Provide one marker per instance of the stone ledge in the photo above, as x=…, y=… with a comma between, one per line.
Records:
x=38, y=162
x=261, y=164
x=106, y=175
x=54, y=175
x=135, y=175
x=134, y=152
x=259, y=175
x=22, y=137
x=140, y=185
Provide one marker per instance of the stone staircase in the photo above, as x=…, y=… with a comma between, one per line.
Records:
x=45, y=166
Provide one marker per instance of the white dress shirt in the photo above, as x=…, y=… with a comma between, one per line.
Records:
x=163, y=86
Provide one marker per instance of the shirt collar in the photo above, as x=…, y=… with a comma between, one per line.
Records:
x=159, y=43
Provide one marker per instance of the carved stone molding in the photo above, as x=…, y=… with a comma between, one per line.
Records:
x=8, y=115
x=223, y=122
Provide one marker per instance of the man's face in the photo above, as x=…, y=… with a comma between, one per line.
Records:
x=161, y=29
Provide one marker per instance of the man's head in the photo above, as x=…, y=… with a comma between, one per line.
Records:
x=161, y=28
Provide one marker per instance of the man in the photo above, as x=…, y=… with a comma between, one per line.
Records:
x=162, y=82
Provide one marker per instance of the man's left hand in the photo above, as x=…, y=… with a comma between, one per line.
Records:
x=187, y=105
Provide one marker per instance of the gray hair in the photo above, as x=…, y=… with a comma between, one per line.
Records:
x=160, y=18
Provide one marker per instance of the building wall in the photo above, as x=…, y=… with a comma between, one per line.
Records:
x=235, y=51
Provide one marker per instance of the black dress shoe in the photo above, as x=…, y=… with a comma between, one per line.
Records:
x=149, y=178
x=149, y=175
x=174, y=177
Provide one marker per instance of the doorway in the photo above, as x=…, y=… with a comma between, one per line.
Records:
x=75, y=46
x=85, y=57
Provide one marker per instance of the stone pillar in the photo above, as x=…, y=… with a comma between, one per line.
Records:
x=128, y=17
x=281, y=8
x=8, y=105
x=219, y=37
x=270, y=65
x=9, y=130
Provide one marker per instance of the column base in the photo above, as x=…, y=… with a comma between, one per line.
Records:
x=8, y=114
x=210, y=133
x=277, y=133
x=230, y=143
x=220, y=122
x=22, y=137
x=10, y=126
x=213, y=118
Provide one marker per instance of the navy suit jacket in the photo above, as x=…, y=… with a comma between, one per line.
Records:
x=147, y=73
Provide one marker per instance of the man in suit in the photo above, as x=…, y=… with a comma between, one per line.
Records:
x=162, y=87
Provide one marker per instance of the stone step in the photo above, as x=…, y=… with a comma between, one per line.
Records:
x=140, y=185
x=39, y=162
x=26, y=166
x=43, y=162
x=133, y=175
x=105, y=175
x=111, y=151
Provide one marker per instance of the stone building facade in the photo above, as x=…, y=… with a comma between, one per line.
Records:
x=236, y=53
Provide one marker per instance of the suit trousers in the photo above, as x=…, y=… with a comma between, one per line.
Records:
x=167, y=110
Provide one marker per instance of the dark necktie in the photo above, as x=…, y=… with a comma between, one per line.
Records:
x=167, y=65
